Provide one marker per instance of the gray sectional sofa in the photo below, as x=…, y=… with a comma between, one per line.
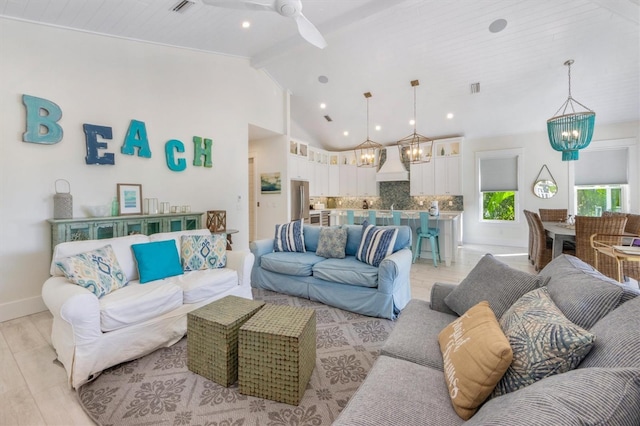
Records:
x=344, y=283
x=407, y=386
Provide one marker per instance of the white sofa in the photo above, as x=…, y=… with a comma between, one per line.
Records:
x=91, y=334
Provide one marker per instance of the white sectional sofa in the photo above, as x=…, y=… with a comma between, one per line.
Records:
x=91, y=334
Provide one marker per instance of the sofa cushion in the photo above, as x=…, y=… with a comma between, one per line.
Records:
x=493, y=281
x=290, y=263
x=347, y=271
x=376, y=243
x=590, y=396
x=332, y=242
x=157, y=260
x=618, y=342
x=120, y=245
x=354, y=236
x=583, y=294
x=137, y=303
x=289, y=237
x=398, y=392
x=311, y=237
x=98, y=270
x=476, y=354
x=415, y=336
x=543, y=340
x=199, y=252
x=198, y=286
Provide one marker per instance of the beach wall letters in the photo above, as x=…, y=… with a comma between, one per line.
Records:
x=42, y=127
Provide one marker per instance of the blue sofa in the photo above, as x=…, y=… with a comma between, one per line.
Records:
x=344, y=283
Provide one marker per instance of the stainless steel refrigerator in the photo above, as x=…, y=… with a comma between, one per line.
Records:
x=300, y=200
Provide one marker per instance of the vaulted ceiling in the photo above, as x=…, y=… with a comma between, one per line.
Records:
x=380, y=46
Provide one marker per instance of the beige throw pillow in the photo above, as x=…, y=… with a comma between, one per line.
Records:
x=476, y=354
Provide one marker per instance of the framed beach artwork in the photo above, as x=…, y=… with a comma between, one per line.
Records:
x=129, y=198
x=270, y=183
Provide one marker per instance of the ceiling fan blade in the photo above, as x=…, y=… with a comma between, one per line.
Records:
x=309, y=32
x=239, y=4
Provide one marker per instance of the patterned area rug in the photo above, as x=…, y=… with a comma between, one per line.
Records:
x=158, y=389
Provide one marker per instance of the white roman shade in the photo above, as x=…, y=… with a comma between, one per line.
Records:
x=605, y=167
x=499, y=174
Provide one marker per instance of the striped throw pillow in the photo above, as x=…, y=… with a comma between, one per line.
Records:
x=289, y=237
x=376, y=243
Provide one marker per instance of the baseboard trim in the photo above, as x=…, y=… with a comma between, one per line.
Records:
x=21, y=308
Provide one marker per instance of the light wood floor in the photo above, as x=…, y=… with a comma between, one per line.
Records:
x=33, y=388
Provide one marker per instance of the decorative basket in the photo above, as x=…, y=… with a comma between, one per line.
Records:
x=62, y=202
x=217, y=220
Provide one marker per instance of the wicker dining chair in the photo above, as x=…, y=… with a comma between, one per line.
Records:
x=527, y=215
x=630, y=269
x=543, y=250
x=586, y=226
x=553, y=215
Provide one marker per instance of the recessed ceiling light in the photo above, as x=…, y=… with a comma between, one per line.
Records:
x=323, y=79
x=378, y=127
x=323, y=105
x=450, y=115
x=346, y=133
x=498, y=25
x=246, y=24
x=412, y=122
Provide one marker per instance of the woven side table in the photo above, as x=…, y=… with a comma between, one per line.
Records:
x=212, y=337
x=277, y=353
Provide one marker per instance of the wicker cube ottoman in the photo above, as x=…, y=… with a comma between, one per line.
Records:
x=212, y=337
x=277, y=353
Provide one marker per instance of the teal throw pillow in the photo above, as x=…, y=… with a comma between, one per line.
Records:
x=289, y=237
x=376, y=243
x=543, y=340
x=332, y=242
x=97, y=271
x=203, y=251
x=157, y=260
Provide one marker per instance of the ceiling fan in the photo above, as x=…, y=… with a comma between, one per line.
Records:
x=287, y=8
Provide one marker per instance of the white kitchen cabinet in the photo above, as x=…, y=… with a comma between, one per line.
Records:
x=348, y=174
x=366, y=184
x=422, y=179
x=298, y=162
x=333, y=180
x=320, y=180
x=448, y=167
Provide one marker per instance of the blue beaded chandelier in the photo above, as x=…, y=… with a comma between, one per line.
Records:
x=570, y=130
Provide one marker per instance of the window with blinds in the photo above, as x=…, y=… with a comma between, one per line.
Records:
x=499, y=180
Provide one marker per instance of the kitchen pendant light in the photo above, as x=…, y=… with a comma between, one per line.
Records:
x=367, y=151
x=571, y=132
x=415, y=147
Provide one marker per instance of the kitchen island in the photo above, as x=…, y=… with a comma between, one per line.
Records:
x=449, y=223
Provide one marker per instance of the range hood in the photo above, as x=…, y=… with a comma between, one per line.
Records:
x=392, y=169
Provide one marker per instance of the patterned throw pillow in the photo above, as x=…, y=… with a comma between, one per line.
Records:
x=289, y=237
x=97, y=271
x=543, y=340
x=476, y=354
x=203, y=251
x=376, y=243
x=332, y=242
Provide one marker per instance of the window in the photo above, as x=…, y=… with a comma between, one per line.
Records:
x=600, y=188
x=499, y=178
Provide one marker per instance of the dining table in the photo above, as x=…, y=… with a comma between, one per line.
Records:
x=559, y=232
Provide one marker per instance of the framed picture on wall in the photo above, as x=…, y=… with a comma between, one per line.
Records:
x=270, y=183
x=129, y=198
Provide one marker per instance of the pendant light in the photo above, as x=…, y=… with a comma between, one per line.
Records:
x=570, y=131
x=367, y=151
x=415, y=147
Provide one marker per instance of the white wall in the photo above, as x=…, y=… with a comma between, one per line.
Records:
x=270, y=155
x=178, y=93
x=537, y=151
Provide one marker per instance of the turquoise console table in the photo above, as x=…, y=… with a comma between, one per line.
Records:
x=97, y=228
